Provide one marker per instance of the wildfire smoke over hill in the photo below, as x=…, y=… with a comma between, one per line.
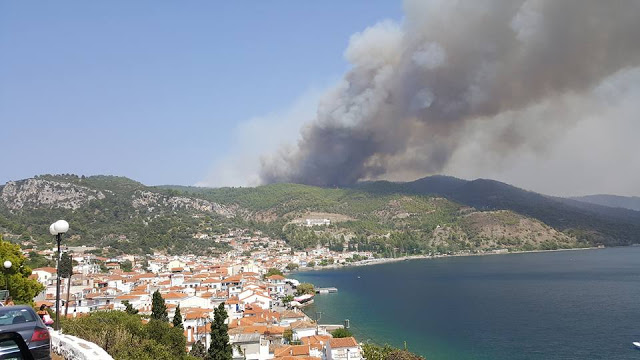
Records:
x=509, y=72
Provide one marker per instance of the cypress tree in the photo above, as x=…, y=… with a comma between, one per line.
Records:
x=220, y=348
x=129, y=309
x=159, y=308
x=177, y=319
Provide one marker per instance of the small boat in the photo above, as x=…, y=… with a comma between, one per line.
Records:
x=636, y=344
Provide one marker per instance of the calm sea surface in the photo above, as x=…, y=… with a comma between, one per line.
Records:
x=556, y=305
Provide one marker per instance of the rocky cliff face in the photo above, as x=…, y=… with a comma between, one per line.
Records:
x=49, y=194
x=153, y=202
x=40, y=193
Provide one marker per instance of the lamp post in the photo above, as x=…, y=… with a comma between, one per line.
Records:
x=57, y=229
x=7, y=265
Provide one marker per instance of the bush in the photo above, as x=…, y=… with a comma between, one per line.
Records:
x=341, y=333
x=273, y=271
x=376, y=352
x=305, y=288
x=124, y=336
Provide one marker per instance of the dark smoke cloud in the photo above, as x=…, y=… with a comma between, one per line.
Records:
x=416, y=88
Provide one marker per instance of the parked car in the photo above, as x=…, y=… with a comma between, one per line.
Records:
x=23, y=320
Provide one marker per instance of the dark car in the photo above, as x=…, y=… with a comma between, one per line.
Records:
x=23, y=320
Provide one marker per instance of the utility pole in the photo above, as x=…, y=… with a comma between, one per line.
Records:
x=318, y=317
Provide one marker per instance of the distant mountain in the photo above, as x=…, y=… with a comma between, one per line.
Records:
x=594, y=223
x=625, y=202
x=437, y=214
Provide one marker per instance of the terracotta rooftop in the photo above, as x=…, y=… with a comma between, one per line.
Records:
x=291, y=350
x=343, y=342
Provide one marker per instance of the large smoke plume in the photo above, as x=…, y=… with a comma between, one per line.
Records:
x=415, y=89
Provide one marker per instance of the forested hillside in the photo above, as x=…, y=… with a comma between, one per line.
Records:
x=436, y=214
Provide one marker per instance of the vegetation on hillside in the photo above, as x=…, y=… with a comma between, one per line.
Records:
x=431, y=215
x=111, y=222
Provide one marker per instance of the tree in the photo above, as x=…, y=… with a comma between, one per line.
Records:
x=220, y=348
x=273, y=271
x=198, y=350
x=341, y=333
x=129, y=309
x=146, y=349
x=305, y=288
x=172, y=337
x=66, y=271
x=288, y=334
x=292, y=266
x=177, y=319
x=159, y=308
x=36, y=260
x=311, y=263
x=126, y=266
x=16, y=278
x=287, y=299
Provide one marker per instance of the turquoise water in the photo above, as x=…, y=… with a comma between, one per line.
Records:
x=556, y=305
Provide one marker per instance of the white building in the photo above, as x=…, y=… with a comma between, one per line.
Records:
x=317, y=222
x=250, y=347
x=343, y=349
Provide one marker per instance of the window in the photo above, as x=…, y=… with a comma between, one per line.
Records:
x=15, y=316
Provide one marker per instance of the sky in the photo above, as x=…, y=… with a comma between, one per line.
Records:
x=199, y=92
x=155, y=90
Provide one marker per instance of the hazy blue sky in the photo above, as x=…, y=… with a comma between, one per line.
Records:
x=152, y=90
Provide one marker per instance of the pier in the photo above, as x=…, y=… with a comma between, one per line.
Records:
x=327, y=290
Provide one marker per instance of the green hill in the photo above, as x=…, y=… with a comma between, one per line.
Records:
x=593, y=223
x=435, y=214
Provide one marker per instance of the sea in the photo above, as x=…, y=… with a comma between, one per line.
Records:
x=580, y=304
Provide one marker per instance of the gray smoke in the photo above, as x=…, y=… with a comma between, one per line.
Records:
x=416, y=88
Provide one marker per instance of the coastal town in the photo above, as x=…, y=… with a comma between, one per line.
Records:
x=263, y=301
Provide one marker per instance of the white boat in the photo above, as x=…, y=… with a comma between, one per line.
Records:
x=636, y=344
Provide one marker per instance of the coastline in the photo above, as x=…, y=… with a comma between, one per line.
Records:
x=510, y=291
x=379, y=261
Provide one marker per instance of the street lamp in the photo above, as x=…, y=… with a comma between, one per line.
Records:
x=57, y=229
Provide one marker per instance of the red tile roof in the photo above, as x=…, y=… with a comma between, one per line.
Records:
x=343, y=342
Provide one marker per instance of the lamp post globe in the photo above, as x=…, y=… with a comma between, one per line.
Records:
x=7, y=264
x=61, y=226
x=52, y=230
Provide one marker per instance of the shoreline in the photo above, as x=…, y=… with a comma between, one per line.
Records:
x=430, y=257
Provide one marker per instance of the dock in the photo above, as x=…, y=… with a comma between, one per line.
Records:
x=327, y=290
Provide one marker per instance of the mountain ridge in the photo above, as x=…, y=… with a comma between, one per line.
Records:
x=625, y=202
x=433, y=214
